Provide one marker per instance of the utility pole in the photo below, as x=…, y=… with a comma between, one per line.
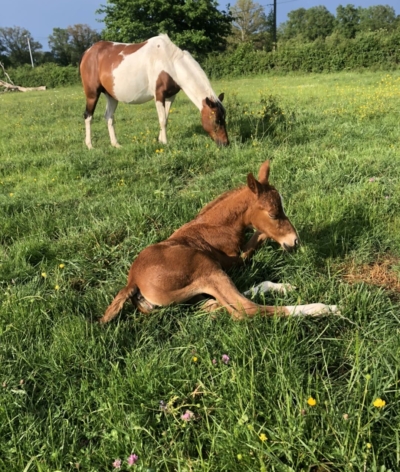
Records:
x=30, y=51
x=274, y=33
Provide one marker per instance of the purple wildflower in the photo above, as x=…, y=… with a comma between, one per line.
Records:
x=372, y=179
x=225, y=358
x=117, y=464
x=187, y=416
x=132, y=459
x=214, y=361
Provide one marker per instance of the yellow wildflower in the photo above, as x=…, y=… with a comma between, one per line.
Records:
x=369, y=445
x=61, y=266
x=379, y=403
x=263, y=437
x=195, y=359
x=312, y=401
x=44, y=275
x=57, y=287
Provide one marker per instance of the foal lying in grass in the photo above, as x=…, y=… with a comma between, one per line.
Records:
x=192, y=262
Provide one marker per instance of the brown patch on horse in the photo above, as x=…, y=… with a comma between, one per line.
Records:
x=379, y=273
x=97, y=66
x=213, y=120
x=166, y=87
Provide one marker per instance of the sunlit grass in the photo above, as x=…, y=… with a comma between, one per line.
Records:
x=295, y=394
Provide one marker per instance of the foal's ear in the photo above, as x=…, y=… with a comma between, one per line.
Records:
x=221, y=97
x=253, y=184
x=210, y=103
x=263, y=173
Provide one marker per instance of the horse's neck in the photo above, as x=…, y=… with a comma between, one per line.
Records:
x=230, y=209
x=193, y=80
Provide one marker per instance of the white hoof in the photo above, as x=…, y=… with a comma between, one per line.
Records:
x=266, y=286
x=116, y=145
x=313, y=309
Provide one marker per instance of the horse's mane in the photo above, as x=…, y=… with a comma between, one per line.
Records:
x=217, y=201
x=179, y=54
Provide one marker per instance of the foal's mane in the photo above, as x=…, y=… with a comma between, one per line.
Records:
x=218, y=200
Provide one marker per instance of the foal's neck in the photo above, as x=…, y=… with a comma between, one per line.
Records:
x=231, y=209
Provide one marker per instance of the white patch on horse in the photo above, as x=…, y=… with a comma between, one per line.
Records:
x=283, y=208
x=135, y=78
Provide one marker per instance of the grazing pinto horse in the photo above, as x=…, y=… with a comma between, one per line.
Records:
x=192, y=262
x=136, y=73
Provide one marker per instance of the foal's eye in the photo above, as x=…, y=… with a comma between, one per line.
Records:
x=273, y=216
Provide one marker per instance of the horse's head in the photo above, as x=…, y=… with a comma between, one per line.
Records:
x=213, y=120
x=267, y=214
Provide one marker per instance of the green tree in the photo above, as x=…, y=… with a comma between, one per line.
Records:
x=347, y=20
x=14, y=43
x=295, y=25
x=319, y=23
x=249, y=19
x=196, y=25
x=316, y=22
x=68, y=45
x=377, y=17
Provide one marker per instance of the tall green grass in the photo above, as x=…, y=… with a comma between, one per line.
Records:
x=77, y=396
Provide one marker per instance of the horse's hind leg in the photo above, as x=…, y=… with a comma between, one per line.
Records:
x=221, y=287
x=109, y=116
x=92, y=97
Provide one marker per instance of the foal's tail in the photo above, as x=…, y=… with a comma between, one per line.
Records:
x=118, y=302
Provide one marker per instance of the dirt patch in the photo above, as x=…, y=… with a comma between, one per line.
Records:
x=384, y=273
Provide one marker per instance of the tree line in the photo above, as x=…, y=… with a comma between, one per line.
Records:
x=198, y=26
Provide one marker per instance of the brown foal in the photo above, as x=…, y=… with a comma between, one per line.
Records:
x=192, y=262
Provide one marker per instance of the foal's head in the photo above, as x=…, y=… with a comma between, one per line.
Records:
x=213, y=120
x=267, y=214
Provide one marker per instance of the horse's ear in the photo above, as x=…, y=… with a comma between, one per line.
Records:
x=210, y=103
x=263, y=173
x=221, y=97
x=253, y=184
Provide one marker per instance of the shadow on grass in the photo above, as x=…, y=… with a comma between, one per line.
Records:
x=337, y=238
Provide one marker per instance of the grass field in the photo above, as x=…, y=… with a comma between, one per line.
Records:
x=78, y=396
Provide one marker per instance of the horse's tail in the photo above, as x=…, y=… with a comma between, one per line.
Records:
x=118, y=302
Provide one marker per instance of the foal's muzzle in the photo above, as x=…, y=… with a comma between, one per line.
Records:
x=288, y=248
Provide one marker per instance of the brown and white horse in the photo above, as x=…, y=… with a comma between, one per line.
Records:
x=137, y=73
x=192, y=262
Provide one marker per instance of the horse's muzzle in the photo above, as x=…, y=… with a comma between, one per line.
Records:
x=222, y=143
x=288, y=248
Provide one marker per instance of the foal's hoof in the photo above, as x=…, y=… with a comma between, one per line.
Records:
x=267, y=286
x=313, y=309
x=116, y=145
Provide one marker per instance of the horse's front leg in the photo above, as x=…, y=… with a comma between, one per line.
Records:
x=163, y=108
x=253, y=244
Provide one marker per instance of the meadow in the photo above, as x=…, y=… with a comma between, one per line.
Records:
x=267, y=394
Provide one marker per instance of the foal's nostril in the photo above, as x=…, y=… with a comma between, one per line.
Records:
x=296, y=242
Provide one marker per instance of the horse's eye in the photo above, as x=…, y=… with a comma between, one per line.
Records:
x=273, y=216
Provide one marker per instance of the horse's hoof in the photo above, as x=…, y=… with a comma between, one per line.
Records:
x=313, y=309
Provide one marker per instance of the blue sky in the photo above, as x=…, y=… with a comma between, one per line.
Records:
x=41, y=16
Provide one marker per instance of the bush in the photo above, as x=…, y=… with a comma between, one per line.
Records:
x=51, y=75
x=367, y=50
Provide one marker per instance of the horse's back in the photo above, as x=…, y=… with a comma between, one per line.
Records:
x=127, y=71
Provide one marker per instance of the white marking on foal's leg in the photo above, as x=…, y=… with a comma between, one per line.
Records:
x=109, y=116
x=313, y=309
x=162, y=118
x=88, y=140
x=266, y=286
